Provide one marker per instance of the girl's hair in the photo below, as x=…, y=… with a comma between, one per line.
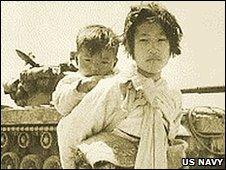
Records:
x=152, y=11
x=96, y=38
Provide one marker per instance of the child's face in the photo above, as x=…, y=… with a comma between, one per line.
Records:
x=101, y=63
x=151, y=47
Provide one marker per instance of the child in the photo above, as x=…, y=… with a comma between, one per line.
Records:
x=97, y=48
x=139, y=133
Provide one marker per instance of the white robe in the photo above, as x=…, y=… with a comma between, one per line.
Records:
x=155, y=121
x=100, y=110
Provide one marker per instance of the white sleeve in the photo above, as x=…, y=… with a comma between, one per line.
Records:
x=93, y=114
x=66, y=96
x=177, y=115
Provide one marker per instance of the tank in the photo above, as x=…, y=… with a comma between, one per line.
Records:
x=28, y=132
x=28, y=138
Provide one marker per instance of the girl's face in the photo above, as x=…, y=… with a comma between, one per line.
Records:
x=151, y=47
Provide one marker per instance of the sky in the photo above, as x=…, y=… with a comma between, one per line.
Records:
x=48, y=30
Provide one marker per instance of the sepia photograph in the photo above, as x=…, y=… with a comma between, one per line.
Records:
x=112, y=85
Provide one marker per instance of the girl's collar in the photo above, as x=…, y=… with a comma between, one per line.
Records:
x=143, y=78
x=159, y=82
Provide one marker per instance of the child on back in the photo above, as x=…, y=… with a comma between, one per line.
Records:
x=141, y=134
x=97, y=47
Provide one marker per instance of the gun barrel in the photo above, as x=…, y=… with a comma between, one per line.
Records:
x=27, y=59
x=208, y=89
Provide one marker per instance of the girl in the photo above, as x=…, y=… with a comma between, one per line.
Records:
x=129, y=120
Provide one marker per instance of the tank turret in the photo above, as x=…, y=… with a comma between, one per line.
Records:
x=36, y=84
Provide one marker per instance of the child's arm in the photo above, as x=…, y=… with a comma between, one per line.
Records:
x=94, y=113
x=71, y=90
x=86, y=85
x=66, y=96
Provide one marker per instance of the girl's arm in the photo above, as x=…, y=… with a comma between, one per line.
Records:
x=171, y=109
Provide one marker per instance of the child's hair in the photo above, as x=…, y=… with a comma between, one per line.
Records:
x=96, y=38
x=152, y=11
